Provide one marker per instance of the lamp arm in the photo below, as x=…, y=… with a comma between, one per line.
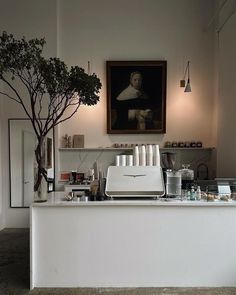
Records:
x=187, y=70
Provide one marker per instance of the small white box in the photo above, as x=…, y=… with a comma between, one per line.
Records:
x=135, y=181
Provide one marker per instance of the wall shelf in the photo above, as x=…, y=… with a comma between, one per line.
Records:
x=94, y=149
x=130, y=149
x=81, y=159
x=188, y=148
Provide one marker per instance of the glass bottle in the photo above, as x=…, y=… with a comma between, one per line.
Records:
x=198, y=193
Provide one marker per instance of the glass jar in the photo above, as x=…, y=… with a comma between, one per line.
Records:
x=187, y=176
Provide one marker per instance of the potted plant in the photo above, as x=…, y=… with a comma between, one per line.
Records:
x=46, y=89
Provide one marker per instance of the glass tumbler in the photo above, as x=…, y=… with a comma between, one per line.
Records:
x=173, y=183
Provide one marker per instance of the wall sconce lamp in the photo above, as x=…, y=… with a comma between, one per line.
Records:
x=183, y=82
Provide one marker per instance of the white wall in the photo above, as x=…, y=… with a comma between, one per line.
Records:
x=120, y=30
x=143, y=30
x=33, y=19
x=226, y=145
x=2, y=219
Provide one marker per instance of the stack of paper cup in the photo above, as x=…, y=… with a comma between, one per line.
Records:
x=118, y=160
x=123, y=160
x=136, y=155
x=143, y=155
x=149, y=150
x=129, y=159
x=156, y=154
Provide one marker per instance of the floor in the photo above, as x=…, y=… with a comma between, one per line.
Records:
x=14, y=274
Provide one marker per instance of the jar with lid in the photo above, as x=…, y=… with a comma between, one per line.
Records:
x=187, y=176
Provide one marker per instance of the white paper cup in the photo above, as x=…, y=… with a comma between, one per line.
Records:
x=123, y=160
x=130, y=160
x=118, y=160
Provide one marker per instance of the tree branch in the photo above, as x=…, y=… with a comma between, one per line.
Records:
x=10, y=97
x=18, y=96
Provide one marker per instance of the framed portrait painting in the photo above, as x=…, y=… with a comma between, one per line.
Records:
x=136, y=97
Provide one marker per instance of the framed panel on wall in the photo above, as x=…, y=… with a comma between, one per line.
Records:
x=136, y=97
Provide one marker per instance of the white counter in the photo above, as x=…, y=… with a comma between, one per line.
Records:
x=133, y=243
x=57, y=199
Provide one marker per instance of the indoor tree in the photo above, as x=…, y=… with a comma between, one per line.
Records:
x=46, y=89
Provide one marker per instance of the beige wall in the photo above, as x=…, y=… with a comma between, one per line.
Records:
x=143, y=30
x=32, y=19
x=82, y=30
x=2, y=222
x=226, y=144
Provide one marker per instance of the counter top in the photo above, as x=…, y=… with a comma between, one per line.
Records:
x=139, y=243
x=57, y=199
